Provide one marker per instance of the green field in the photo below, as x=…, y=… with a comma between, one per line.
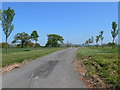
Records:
x=102, y=62
x=20, y=54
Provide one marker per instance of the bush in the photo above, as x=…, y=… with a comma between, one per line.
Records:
x=76, y=45
x=18, y=45
x=30, y=44
x=37, y=45
x=68, y=45
x=96, y=45
x=3, y=45
x=111, y=44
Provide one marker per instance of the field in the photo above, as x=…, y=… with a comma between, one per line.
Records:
x=20, y=54
x=102, y=63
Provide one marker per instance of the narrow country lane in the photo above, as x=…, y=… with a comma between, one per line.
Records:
x=55, y=70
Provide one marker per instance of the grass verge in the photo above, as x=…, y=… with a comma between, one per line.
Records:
x=18, y=55
x=101, y=63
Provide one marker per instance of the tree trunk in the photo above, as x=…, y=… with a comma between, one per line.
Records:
x=6, y=45
x=22, y=44
x=102, y=43
x=35, y=43
x=96, y=43
x=113, y=40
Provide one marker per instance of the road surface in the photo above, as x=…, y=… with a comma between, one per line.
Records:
x=55, y=70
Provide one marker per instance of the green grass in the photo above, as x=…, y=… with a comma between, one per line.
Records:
x=102, y=62
x=20, y=54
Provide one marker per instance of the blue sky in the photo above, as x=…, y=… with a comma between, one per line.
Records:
x=76, y=22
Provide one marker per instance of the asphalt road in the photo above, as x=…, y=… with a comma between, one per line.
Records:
x=55, y=70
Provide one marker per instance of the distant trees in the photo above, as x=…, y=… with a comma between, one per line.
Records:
x=22, y=38
x=53, y=40
x=97, y=40
x=111, y=44
x=101, y=36
x=68, y=44
x=114, y=32
x=7, y=18
x=89, y=41
x=34, y=36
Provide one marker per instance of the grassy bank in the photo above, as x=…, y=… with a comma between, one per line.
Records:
x=101, y=62
x=20, y=54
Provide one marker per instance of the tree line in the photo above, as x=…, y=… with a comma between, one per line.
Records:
x=114, y=33
x=23, y=39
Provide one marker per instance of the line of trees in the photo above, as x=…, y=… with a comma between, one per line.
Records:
x=54, y=40
x=114, y=33
x=89, y=41
x=23, y=39
x=99, y=37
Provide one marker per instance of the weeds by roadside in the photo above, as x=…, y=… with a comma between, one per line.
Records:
x=101, y=65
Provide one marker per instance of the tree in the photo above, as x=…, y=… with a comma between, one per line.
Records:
x=97, y=39
x=101, y=36
x=34, y=36
x=87, y=42
x=83, y=44
x=22, y=38
x=114, y=32
x=7, y=18
x=91, y=39
x=53, y=40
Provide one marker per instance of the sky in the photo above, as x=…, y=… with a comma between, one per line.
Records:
x=75, y=21
x=59, y=0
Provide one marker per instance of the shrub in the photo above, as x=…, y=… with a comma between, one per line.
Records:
x=111, y=44
x=37, y=45
x=3, y=45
